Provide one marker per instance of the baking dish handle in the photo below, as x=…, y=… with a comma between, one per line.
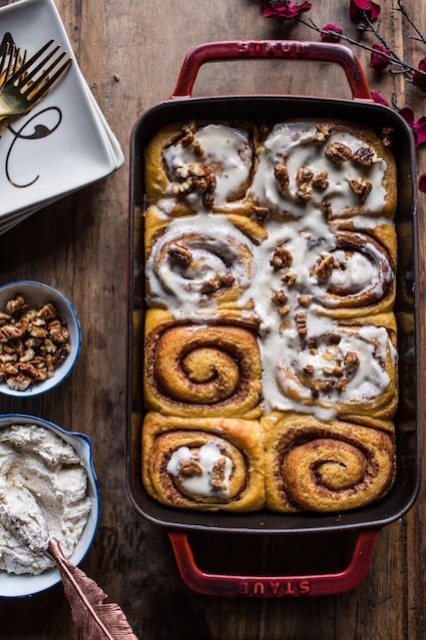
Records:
x=274, y=586
x=267, y=49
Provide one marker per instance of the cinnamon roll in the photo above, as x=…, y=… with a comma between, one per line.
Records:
x=339, y=369
x=325, y=466
x=205, y=464
x=203, y=370
x=198, y=263
x=340, y=169
x=200, y=166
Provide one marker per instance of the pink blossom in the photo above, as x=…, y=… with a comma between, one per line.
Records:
x=283, y=10
x=358, y=7
x=377, y=97
x=330, y=33
x=422, y=182
x=420, y=78
x=377, y=60
x=417, y=127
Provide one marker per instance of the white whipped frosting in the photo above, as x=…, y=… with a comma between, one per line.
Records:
x=225, y=149
x=200, y=484
x=308, y=238
x=294, y=143
x=213, y=243
x=43, y=494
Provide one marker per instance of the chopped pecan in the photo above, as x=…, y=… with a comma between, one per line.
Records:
x=227, y=279
x=32, y=344
x=281, y=259
x=309, y=369
x=338, y=152
x=35, y=373
x=361, y=188
x=304, y=300
x=283, y=311
x=212, y=285
x=180, y=254
x=304, y=177
x=190, y=467
x=341, y=384
x=301, y=327
x=47, y=312
x=279, y=298
x=197, y=177
x=18, y=382
x=57, y=331
x=335, y=371
x=15, y=305
x=189, y=139
x=12, y=331
x=351, y=360
x=319, y=181
x=324, y=268
x=289, y=279
x=364, y=156
x=326, y=208
x=217, y=476
x=282, y=177
x=323, y=132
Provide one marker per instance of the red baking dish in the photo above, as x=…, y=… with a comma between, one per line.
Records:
x=365, y=522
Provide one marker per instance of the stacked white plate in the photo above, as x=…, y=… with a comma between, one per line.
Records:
x=64, y=143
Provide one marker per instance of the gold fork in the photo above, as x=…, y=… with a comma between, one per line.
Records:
x=10, y=62
x=31, y=81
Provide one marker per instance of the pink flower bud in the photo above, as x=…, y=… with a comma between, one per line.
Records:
x=377, y=60
x=332, y=33
x=357, y=8
x=283, y=10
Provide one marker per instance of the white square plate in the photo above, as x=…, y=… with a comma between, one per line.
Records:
x=64, y=143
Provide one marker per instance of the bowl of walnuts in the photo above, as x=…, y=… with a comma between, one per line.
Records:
x=40, y=338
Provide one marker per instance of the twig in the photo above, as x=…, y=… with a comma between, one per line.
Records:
x=404, y=12
x=392, y=57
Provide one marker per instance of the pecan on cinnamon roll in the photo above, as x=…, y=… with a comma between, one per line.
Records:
x=203, y=463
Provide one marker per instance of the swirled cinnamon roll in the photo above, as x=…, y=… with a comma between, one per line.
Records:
x=355, y=278
x=325, y=467
x=205, y=464
x=201, y=370
x=198, y=263
x=200, y=166
x=340, y=169
x=334, y=369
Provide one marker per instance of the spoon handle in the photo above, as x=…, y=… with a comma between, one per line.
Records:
x=94, y=619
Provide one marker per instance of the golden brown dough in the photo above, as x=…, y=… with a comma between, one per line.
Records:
x=350, y=370
x=341, y=168
x=325, y=466
x=201, y=370
x=208, y=464
x=201, y=166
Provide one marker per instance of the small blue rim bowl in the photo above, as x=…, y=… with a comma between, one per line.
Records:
x=36, y=294
x=19, y=586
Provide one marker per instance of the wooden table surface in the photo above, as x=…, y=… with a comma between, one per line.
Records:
x=130, y=53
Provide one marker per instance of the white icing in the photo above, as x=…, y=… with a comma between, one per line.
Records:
x=226, y=150
x=308, y=238
x=42, y=495
x=215, y=247
x=294, y=144
x=200, y=484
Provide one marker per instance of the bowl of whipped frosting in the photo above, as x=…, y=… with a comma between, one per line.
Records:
x=48, y=489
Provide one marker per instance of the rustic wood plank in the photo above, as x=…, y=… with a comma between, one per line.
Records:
x=130, y=53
